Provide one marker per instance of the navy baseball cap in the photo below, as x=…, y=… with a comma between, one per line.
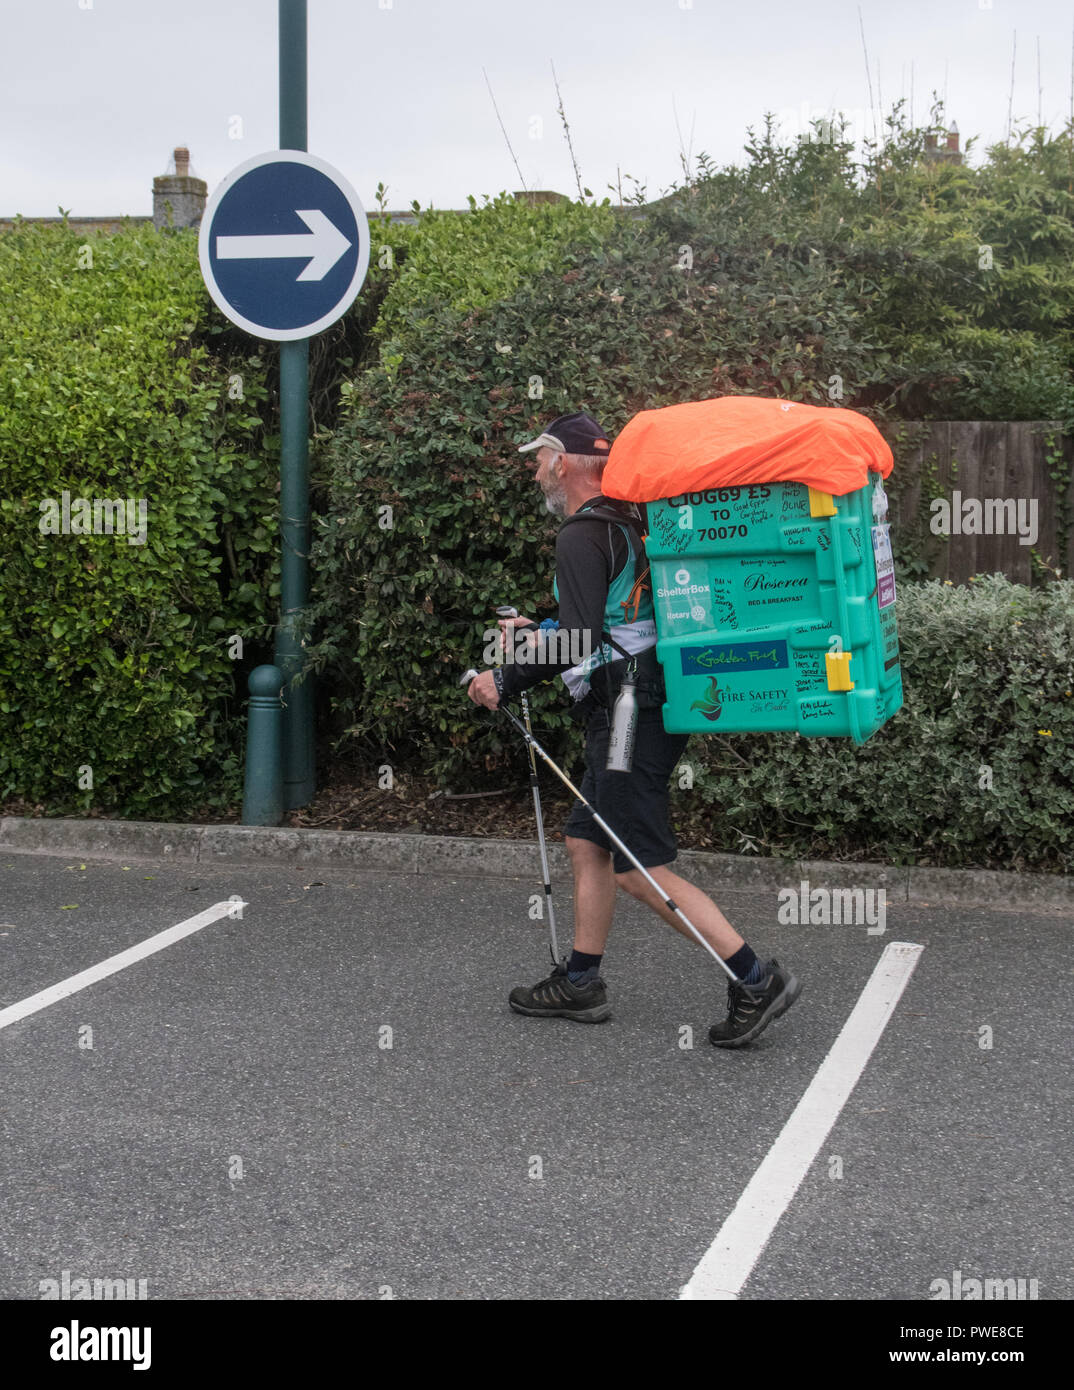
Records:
x=571, y=434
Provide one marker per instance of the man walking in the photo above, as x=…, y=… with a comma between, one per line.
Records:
x=607, y=628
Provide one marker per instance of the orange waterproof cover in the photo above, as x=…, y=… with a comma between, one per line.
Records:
x=743, y=439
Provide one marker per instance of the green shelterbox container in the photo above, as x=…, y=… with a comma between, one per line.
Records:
x=775, y=610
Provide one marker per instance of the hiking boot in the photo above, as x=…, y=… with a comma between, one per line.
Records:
x=557, y=997
x=751, y=1008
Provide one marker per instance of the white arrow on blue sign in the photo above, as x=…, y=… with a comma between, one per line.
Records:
x=284, y=245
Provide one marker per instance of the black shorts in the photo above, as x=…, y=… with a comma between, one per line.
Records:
x=634, y=803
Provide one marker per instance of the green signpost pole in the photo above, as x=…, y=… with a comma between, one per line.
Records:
x=298, y=750
x=301, y=283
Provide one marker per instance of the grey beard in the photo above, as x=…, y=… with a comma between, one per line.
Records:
x=556, y=501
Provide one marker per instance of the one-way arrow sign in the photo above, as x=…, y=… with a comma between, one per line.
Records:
x=284, y=245
x=324, y=245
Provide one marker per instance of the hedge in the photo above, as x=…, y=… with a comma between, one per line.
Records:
x=976, y=769
x=785, y=277
x=797, y=273
x=117, y=669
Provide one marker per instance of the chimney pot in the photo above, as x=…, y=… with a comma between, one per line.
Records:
x=179, y=198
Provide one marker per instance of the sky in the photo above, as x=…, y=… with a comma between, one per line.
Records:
x=95, y=94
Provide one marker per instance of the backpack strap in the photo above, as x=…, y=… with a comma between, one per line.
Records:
x=633, y=599
x=631, y=517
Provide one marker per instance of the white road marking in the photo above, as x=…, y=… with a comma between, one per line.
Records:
x=729, y=1260
x=14, y=1012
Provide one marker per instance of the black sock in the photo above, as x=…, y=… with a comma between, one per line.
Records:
x=579, y=963
x=746, y=966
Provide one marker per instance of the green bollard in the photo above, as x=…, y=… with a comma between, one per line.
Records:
x=262, y=800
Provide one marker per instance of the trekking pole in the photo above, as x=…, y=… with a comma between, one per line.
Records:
x=507, y=611
x=668, y=902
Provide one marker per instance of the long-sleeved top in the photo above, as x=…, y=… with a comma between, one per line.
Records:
x=591, y=554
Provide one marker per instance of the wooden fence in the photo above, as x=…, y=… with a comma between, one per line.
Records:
x=982, y=461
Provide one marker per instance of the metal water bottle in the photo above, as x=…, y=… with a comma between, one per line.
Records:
x=623, y=728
